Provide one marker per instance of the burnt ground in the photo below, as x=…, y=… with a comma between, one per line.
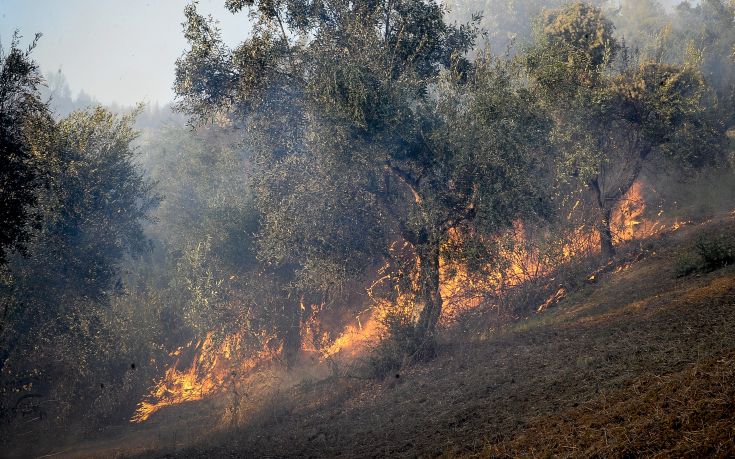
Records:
x=640, y=362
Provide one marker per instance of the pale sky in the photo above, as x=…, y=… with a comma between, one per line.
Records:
x=117, y=51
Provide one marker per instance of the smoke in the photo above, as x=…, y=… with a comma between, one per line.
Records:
x=198, y=322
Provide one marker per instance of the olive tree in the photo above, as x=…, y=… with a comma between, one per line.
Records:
x=613, y=115
x=21, y=111
x=369, y=126
x=91, y=215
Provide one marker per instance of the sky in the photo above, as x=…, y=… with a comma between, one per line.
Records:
x=117, y=51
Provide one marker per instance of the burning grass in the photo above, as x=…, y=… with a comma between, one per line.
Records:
x=213, y=367
x=610, y=345
x=606, y=342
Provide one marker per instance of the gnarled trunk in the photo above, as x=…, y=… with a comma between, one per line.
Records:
x=429, y=295
x=607, y=249
x=292, y=334
x=624, y=175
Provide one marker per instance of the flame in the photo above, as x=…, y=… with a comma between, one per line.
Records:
x=525, y=261
x=353, y=339
x=212, y=367
x=215, y=364
x=627, y=222
x=358, y=336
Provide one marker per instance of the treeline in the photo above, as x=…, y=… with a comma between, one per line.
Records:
x=338, y=140
x=73, y=203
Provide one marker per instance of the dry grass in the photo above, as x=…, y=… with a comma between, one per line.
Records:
x=611, y=347
x=637, y=363
x=686, y=414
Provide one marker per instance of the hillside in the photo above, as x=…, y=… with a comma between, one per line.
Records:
x=396, y=228
x=637, y=362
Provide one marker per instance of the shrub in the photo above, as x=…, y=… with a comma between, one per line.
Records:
x=709, y=254
x=396, y=346
x=715, y=253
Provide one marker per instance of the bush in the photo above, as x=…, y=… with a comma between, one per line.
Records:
x=709, y=254
x=715, y=253
x=400, y=343
x=385, y=359
x=396, y=345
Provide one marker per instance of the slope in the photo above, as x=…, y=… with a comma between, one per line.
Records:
x=620, y=346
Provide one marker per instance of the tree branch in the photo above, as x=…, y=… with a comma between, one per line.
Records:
x=411, y=182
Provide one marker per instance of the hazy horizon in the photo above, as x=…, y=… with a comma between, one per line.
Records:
x=84, y=40
x=104, y=51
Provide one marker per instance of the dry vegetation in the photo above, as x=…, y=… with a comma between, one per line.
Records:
x=686, y=414
x=638, y=362
x=378, y=237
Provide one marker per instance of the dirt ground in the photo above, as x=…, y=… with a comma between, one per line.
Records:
x=593, y=376
x=637, y=363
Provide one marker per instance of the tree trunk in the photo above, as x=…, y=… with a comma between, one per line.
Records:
x=607, y=249
x=292, y=334
x=429, y=296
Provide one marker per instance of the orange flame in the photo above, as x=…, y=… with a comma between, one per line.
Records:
x=524, y=261
x=214, y=363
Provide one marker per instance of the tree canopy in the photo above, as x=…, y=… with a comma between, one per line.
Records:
x=368, y=125
x=21, y=111
x=610, y=113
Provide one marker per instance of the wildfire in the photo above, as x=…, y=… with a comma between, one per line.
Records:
x=349, y=342
x=216, y=363
x=628, y=223
x=521, y=261
x=353, y=339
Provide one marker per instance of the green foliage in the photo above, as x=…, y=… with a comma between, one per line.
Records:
x=22, y=115
x=493, y=144
x=708, y=254
x=367, y=124
x=715, y=253
x=707, y=29
x=696, y=34
x=92, y=212
x=333, y=134
x=507, y=25
x=573, y=47
x=582, y=35
x=101, y=193
x=670, y=106
x=610, y=121
x=204, y=224
x=91, y=216
x=205, y=234
x=203, y=178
